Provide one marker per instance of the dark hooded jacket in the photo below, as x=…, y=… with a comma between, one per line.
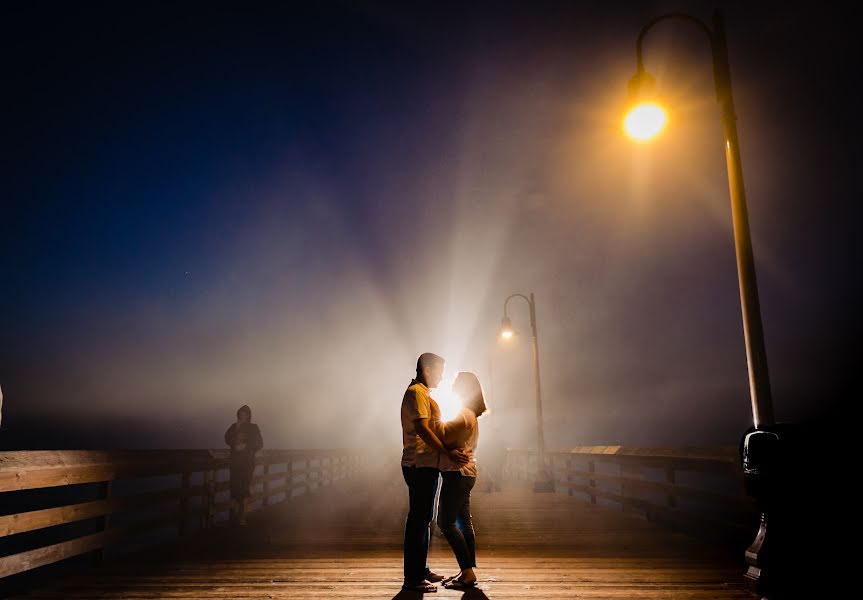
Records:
x=249, y=433
x=242, y=462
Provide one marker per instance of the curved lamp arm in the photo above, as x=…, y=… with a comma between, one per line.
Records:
x=522, y=296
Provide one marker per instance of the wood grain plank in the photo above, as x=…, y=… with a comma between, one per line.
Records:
x=348, y=545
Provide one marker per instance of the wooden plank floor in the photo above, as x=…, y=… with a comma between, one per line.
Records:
x=348, y=545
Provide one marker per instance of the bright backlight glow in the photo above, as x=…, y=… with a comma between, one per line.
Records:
x=645, y=121
x=449, y=402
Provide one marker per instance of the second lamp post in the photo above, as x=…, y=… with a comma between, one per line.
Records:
x=543, y=482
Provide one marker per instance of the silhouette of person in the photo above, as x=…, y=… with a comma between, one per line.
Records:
x=244, y=438
x=422, y=431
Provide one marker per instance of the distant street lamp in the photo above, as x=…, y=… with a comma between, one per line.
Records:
x=544, y=481
x=761, y=444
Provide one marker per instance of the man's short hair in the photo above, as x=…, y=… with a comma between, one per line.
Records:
x=428, y=360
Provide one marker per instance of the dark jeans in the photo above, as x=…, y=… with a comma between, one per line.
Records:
x=453, y=517
x=242, y=469
x=422, y=488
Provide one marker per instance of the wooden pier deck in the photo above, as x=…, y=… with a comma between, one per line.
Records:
x=346, y=543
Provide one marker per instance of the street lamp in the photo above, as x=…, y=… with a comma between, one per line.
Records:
x=760, y=445
x=543, y=482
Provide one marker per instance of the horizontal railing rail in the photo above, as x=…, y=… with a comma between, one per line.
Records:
x=64, y=503
x=696, y=489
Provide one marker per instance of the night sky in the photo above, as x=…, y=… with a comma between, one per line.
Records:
x=212, y=204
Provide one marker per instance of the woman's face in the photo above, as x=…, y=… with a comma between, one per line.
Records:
x=460, y=387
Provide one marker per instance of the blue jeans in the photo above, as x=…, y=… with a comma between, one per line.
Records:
x=422, y=489
x=454, y=517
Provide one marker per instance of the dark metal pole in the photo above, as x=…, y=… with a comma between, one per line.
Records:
x=761, y=447
x=544, y=482
x=753, y=331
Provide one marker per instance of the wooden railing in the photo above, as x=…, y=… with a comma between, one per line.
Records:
x=699, y=490
x=60, y=504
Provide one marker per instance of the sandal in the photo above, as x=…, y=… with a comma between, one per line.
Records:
x=423, y=587
x=455, y=584
x=433, y=577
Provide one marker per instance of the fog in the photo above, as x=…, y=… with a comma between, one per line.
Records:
x=327, y=220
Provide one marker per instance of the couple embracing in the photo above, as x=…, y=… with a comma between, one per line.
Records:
x=438, y=453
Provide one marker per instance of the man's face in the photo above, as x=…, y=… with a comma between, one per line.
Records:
x=434, y=374
x=243, y=417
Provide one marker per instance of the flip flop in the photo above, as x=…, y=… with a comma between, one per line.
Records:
x=422, y=587
x=455, y=584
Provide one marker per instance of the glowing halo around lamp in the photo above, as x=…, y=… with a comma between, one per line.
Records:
x=645, y=121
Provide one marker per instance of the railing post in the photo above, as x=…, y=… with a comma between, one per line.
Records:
x=591, y=467
x=184, y=502
x=628, y=472
x=568, y=476
x=670, y=477
x=289, y=479
x=552, y=469
x=266, y=499
x=104, y=522
x=210, y=498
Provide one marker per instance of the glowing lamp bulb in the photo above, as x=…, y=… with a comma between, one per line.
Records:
x=645, y=121
x=506, y=330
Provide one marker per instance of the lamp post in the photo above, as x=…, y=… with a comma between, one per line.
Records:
x=761, y=443
x=543, y=482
